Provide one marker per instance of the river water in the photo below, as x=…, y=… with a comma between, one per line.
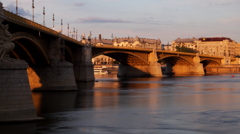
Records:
x=168, y=105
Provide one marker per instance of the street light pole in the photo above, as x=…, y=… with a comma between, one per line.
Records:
x=73, y=33
x=61, y=26
x=17, y=7
x=68, y=29
x=53, y=21
x=44, y=16
x=76, y=34
x=32, y=10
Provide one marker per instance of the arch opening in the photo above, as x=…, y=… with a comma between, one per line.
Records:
x=119, y=58
x=104, y=64
x=126, y=58
x=169, y=62
x=29, y=50
x=210, y=63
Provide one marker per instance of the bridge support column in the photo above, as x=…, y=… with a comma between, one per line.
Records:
x=83, y=67
x=152, y=69
x=59, y=76
x=195, y=69
x=168, y=69
x=16, y=102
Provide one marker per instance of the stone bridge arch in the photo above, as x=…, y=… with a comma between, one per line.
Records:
x=210, y=62
x=29, y=48
x=126, y=58
x=177, y=60
x=182, y=65
x=133, y=63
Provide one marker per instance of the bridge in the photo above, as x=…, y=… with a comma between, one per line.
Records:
x=55, y=61
x=139, y=61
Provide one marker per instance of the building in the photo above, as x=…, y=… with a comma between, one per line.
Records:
x=103, y=60
x=129, y=42
x=101, y=41
x=138, y=42
x=215, y=46
x=167, y=47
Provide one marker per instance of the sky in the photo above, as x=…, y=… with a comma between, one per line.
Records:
x=166, y=20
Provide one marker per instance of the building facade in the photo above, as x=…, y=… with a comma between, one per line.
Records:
x=138, y=43
x=103, y=60
x=214, y=46
x=129, y=42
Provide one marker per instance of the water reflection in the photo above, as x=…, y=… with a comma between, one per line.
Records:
x=182, y=105
x=141, y=92
x=49, y=102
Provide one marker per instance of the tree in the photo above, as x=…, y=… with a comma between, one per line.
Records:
x=185, y=49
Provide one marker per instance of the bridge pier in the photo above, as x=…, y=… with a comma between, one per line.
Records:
x=195, y=69
x=16, y=102
x=153, y=68
x=59, y=76
x=188, y=70
x=83, y=67
x=168, y=69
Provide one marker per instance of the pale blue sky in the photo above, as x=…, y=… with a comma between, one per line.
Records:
x=164, y=19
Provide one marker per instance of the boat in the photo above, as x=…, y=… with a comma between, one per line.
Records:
x=99, y=70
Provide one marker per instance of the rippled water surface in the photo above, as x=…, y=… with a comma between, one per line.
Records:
x=168, y=105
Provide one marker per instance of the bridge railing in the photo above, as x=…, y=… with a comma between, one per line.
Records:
x=23, y=21
x=11, y=17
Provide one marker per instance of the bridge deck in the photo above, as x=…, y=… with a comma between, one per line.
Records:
x=16, y=19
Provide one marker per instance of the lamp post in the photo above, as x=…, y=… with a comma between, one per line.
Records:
x=32, y=10
x=61, y=26
x=53, y=20
x=73, y=33
x=76, y=34
x=44, y=16
x=68, y=29
x=17, y=7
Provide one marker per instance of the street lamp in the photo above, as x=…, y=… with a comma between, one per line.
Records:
x=53, y=21
x=73, y=33
x=61, y=26
x=76, y=34
x=68, y=29
x=17, y=7
x=32, y=10
x=44, y=16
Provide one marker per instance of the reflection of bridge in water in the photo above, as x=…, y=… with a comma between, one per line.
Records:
x=56, y=62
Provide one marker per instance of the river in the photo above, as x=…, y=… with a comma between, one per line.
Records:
x=167, y=105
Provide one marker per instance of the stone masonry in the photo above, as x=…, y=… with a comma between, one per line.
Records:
x=16, y=102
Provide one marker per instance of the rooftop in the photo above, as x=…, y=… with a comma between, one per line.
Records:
x=203, y=39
